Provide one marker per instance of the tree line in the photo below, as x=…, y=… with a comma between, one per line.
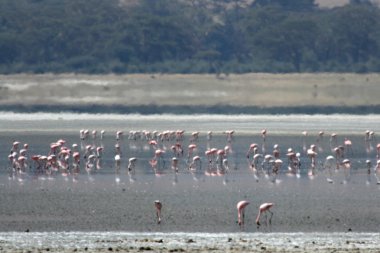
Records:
x=187, y=36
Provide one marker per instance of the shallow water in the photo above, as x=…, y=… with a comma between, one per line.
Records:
x=193, y=202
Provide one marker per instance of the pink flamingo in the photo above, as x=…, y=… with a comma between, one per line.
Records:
x=209, y=135
x=368, y=162
x=192, y=148
x=304, y=137
x=102, y=133
x=196, y=164
x=312, y=154
x=241, y=205
x=158, y=206
x=264, y=136
x=175, y=164
x=179, y=134
x=276, y=151
x=99, y=158
x=253, y=149
x=319, y=140
x=211, y=166
x=276, y=167
x=194, y=136
x=229, y=134
x=117, y=166
x=377, y=172
x=119, y=135
x=347, y=170
x=157, y=162
x=292, y=162
x=328, y=165
x=265, y=207
x=131, y=168
x=177, y=150
x=348, y=146
x=76, y=165
x=333, y=141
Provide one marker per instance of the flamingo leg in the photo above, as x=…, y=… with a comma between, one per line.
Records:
x=270, y=218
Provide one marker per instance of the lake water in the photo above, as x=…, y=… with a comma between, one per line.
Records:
x=39, y=130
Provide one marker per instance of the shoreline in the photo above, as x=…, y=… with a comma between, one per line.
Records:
x=221, y=109
x=189, y=242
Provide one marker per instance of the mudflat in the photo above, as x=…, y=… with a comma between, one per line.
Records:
x=254, y=89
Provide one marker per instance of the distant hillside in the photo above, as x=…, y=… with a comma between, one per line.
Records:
x=187, y=36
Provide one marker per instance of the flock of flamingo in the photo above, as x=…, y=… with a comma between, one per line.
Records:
x=66, y=160
x=241, y=205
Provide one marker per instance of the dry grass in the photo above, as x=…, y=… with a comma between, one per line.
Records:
x=254, y=89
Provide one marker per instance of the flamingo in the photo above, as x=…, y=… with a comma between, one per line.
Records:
x=177, y=150
x=241, y=205
x=266, y=163
x=368, y=162
x=81, y=134
x=293, y=162
x=229, y=134
x=94, y=134
x=21, y=168
x=304, y=145
x=196, y=164
x=333, y=141
x=76, y=165
x=319, y=139
x=158, y=206
x=102, y=133
x=158, y=162
x=209, y=135
x=255, y=162
x=265, y=207
x=377, y=171
x=264, y=136
x=291, y=156
x=276, y=151
x=312, y=154
x=348, y=146
x=347, y=170
x=179, y=134
x=175, y=170
x=192, y=148
x=194, y=136
x=119, y=135
x=276, y=169
x=175, y=164
x=11, y=166
x=90, y=164
x=253, y=149
x=131, y=168
x=210, y=154
x=99, y=156
x=329, y=164
x=117, y=163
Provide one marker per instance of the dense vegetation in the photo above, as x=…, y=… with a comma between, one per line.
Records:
x=187, y=36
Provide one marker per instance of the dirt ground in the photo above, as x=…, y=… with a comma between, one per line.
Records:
x=256, y=89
